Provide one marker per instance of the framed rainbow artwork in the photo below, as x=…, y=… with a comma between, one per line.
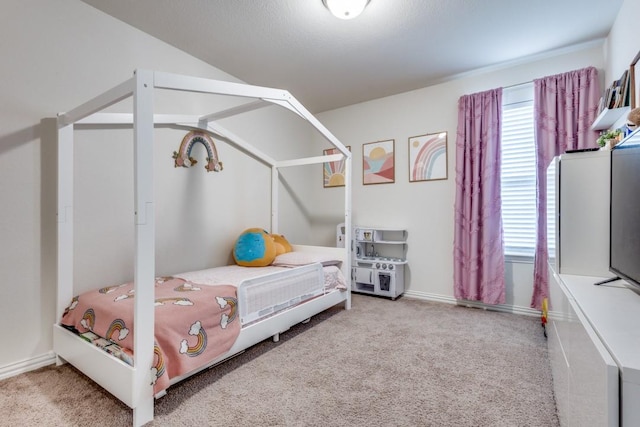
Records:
x=378, y=162
x=333, y=172
x=428, y=157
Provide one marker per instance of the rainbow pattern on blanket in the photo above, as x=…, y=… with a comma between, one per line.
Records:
x=159, y=367
x=109, y=289
x=223, y=302
x=198, y=331
x=117, y=327
x=186, y=287
x=173, y=300
x=88, y=319
x=188, y=332
x=183, y=156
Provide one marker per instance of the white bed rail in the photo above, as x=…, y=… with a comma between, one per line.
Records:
x=278, y=291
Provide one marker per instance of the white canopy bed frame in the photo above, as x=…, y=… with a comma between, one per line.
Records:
x=131, y=384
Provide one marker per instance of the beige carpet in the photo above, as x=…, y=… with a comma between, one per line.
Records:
x=384, y=363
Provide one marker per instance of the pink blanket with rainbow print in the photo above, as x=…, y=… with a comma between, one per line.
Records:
x=194, y=324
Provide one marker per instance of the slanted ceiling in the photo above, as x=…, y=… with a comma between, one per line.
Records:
x=393, y=47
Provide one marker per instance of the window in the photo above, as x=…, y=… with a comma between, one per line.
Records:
x=518, y=175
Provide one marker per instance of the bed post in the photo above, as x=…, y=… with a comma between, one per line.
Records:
x=65, y=222
x=144, y=274
x=347, y=227
x=274, y=198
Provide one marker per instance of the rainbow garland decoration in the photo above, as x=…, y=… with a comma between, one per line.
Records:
x=183, y=157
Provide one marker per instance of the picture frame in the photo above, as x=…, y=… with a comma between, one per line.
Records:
x=333, y=173
x=634, y=80
x=378, y=162
x=428, y=157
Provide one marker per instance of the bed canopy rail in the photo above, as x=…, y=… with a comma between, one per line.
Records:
x=139, y=392
x=187, y=122
x=122, y=91
x=262, y=96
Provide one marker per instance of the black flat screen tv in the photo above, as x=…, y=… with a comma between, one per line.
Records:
x=624, y=251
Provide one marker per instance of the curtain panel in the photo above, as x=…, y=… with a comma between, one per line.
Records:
x=478, y=236
x=565, y=106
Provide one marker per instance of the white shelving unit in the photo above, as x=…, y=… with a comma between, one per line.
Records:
x=608, y=117
x=379, y=259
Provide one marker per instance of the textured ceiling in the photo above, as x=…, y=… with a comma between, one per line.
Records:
x=393, y=47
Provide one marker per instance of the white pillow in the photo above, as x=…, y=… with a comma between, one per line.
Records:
x=298, y=258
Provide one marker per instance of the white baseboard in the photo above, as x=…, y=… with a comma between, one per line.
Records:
x=557, y=315
x=514, y=309
x=27, y=365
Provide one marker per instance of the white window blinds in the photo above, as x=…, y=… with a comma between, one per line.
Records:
x=518, y=174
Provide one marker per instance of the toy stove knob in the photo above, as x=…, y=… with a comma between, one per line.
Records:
x=377, y=265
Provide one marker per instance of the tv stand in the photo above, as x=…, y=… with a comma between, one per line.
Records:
x=609, y=280
x=594, y=348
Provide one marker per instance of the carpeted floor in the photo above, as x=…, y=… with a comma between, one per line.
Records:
x=383, y=363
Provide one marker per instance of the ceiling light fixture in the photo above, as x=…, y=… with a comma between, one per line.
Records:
x=346, y=9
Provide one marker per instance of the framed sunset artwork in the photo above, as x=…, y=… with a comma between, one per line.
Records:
x=378, y=162
x=333, y=172
x=428, y=157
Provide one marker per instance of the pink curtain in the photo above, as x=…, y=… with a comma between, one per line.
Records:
x=565, y=106
x=478, y=242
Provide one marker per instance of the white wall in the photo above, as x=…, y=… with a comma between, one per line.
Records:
x=56, y=55
x=623, y=42
x=426, y=208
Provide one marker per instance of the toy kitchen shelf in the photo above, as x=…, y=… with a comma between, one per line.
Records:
x=379, y=259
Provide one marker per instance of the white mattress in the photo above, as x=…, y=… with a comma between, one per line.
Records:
x=227, y=275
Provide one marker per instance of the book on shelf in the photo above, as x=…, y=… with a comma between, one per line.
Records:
x=617, y=95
